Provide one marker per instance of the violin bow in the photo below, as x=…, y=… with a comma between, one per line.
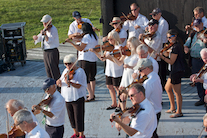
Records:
x=201, y=132
x=101, y=43
x=125, y=16
x=7, y=124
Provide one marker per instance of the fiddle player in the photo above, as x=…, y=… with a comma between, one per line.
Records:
x=203, y=78
x=50, y=41
x=194, y=45
x=137, y=26
x=74, y=95
x=54, y=113
x=163, y=27
x=23, y=119
x=152, y=85
x=74, y=30
x=142, y=52
x=116, y=23
x=87, y=60
x=145, y=122
x=198, y=14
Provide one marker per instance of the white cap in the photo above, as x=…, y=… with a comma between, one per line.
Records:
x=46, y=18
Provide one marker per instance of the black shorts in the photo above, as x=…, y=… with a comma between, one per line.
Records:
x=113, y=81
x=89, y=68
x=176, y=77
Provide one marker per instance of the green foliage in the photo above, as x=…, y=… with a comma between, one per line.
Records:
x=31, y=12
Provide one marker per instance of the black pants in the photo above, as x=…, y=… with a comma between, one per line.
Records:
x=51, y=61
x=162, y=72
x=76, y=111
x=158, y=119
x=55, y=132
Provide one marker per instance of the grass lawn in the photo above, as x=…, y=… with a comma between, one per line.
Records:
x=31, y=12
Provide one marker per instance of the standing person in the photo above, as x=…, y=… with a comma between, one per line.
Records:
x=54, y=113
x=116, y=23
x=75, y=28
x=113, y=72
x=194, y=45
x=205, y=122
x=50, y=41
x=74, y=92
x=24, y=120
x=87, y=60
x=198, y=14
x=173, y=85
x=163, y=27
x=145, y=122
x=153, y=87
x=137, y=26
x=129, y=62
x=203, y=78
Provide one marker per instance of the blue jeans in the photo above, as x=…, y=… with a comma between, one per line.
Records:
x=197, y=64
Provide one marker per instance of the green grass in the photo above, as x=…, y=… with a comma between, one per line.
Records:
x=31, y=12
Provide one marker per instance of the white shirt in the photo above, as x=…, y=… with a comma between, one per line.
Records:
x=71, y=93
x=204, y=20
x=145, y=122
x=153, y=90
x=141, y=20
x=112, y=69
x=155, y=44
x=37, y=132
x=53, y=39
x=91, y=43
x=122, y=34
x=163, y=27
x=57, y=107
x=73, y=28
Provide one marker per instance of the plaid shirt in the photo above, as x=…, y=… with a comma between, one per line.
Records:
x=196, y=46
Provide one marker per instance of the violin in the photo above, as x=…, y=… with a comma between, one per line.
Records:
x=47, y=27
x=105, y=47
x=190, y=28
x=202, y=34
x=132, y=111
x=76, y=38
x=44, y=102
x=13, y=133
x=202, y=71
x=124, y=51
x=69, y=76
x=138, y=81
x=128, y=17
x=117, y=30
x=80, y=24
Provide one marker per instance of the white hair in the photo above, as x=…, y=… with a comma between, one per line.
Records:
x=142, y=47
x=203, y=51
x=69, y=58
x=16, y=104
x=23, y=115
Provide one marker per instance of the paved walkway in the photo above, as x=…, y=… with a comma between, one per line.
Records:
x=25, y=84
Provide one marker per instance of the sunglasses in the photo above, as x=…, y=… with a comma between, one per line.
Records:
x=132, y=95
x=171, y=36
x=140, y=70
x=67, y=64
x=154, y=14
x=134, y=9
x=19, y=123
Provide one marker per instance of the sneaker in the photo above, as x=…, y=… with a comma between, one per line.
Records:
x=74, y=136
x=198, y=103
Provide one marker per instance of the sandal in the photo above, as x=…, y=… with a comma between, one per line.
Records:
x=88, y=96
x=110, y=107
x=176, y=115
x=89, y=100
x=170, y=111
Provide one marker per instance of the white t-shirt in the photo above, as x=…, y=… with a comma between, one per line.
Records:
x=141, y=20
x=37, y=132
x=153, y=90
x=71, y=93
x=91, y=43
x=204, y=20
x=112, y=69
x=145, y=122
x=73, y=28
x=57, y=107
x=163, y=27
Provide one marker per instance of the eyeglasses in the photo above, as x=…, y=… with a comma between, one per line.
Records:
x=19, y=123
x=115, y=23
x=154, y=14
x=171, y=36
x=132, y=95
x=67, y=64
x=134, y=9
x=140, y=70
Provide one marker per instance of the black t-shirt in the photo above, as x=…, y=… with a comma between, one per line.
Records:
x=179, y=63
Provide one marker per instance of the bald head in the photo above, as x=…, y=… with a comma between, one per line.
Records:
x=14, y=105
